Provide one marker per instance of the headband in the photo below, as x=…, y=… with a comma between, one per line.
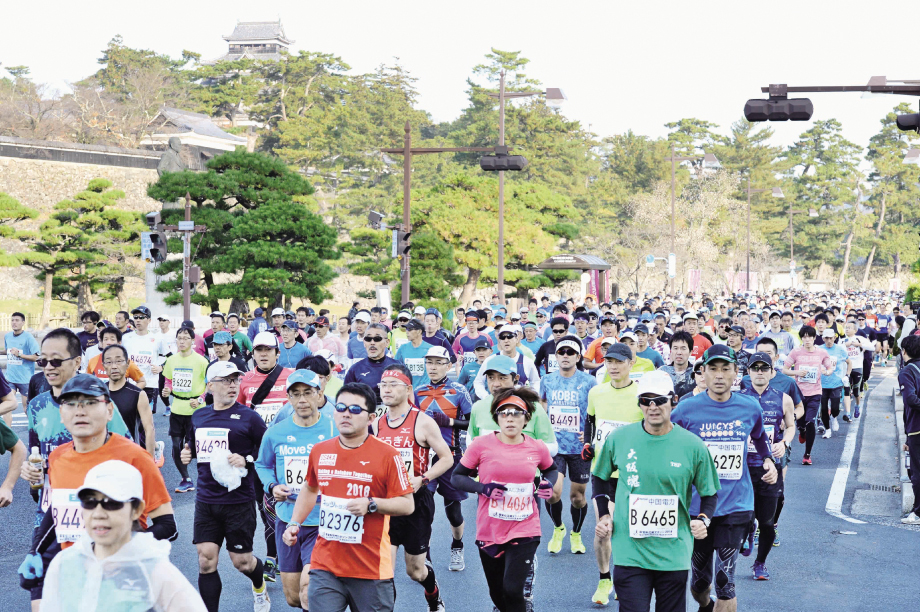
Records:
x=568, y=344
x=515, y=400
x=398, y=376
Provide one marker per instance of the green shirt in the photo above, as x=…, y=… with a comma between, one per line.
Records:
x=654, y=494
x=242, y=342
x=8, y=438
x=481, y=422
x=187, y=375
x=641, y=366
x=612, y=408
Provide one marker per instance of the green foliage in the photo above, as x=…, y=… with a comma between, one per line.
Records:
x=13, y=213
x=433, y=268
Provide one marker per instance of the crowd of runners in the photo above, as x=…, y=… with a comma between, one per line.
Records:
x=338, y=436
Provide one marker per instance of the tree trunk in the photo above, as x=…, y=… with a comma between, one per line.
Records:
x=46, y=301
x=846, y=260
x=878, y=235
x=897, y=265
x=239, y=306
x=472, y=278
x=82, y=290
x=865, y=278
x=288, y=302
x=122, y=296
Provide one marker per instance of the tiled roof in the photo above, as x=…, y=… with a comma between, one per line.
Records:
x=232, y=57
x=258, y=30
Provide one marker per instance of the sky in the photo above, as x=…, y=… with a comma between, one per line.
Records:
x=622, y=65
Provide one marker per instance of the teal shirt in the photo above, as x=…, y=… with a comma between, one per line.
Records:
x=467, y=377
x=414, y=359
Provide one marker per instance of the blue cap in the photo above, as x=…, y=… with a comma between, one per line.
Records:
x=762, y=358
x=222, y=337
x=481, y=342
x=307, y=377
x=290, y=324
x=86, y=384
x=502, y=365
x=433, y=311
x=641, y=327
x=721, y=352
x=258, y=312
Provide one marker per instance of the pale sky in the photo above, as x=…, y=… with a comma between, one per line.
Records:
x=622, y=65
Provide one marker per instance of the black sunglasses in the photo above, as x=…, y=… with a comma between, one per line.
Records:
x=764, y=368
x=54, y=363
x=507, y=336
x=374, y=339
x=109, y=505
x=661, y=400
x=352, y=409
x=558, y=331
x=567, y=352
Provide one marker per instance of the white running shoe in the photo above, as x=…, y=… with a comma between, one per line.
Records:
x=158, y=458
x=827, y=434
x=261, y=602
x=911, y=519
x=834, y=424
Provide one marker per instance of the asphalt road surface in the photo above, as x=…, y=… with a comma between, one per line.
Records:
x=863, y=561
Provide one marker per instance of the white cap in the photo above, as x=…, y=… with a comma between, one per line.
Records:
x=325, y=354
x=572, y=344
x=628, y=334
x=515, y=316
x=117, y=480
x=403, y=313
x=265, y=338
x=162, y=317
x=656, y=382
x=517, y=329
x=363, y=316
x=676, y=319
x=691, y=315
x=420, y=310
x=278, y=311
x=221, y=369
x=439, y=352
x=829, y=332
x=608, y=340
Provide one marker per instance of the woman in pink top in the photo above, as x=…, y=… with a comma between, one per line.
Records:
x=806, y=365
x=508, y=518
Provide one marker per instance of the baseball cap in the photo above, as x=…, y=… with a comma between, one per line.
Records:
x=278, y=312
x=608, y=319
x=655, y=383
x=363, y=316
x=481, y=342
x=641, y=327
x=217, y=313
x=324, y=321
x=721, y=352
x=690, y=315
x=433, y=311
x=162, y=317
x=630, y=335
x=499, y=315
x=676, y=319
x=515, y=316
x=310, y=312
x=403, y=314
x=569, y=342
x=528, y=324
x=142, y=310
x=618, y=351
x=290, y=313
x=502, y=365
x=117, y=480
x=306, y=377
x=222, y=337
x=737, y=329
x=265, y=339
x=608, y=340
x=760, y=357
x=258, y=312
x=325, y=354
x=829, y=333
x=414, y=325
x=438, y=351
x=290, y=324
x=221, y=369
x=512, y=328
x=85, y=384
x=420, y=310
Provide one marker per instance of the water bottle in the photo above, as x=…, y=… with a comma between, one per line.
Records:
x=36, y=459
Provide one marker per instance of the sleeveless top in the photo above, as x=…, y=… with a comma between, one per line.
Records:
x=402, y=438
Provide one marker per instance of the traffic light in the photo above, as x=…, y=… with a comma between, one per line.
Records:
x=158, y=247
x=403, y=244
x=779, y=109
x=909, y=122
x=502, y=161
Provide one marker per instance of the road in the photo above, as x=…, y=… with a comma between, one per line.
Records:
x=824, y=562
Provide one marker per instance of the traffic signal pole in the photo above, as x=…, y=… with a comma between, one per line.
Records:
x=190, y=273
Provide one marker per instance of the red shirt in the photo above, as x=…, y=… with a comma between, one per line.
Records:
x=402, y=438
x=349, y=546
x=275, y=399
x=700, y=344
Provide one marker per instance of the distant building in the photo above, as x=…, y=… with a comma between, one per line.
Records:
x=201, y=139
x=258, y=40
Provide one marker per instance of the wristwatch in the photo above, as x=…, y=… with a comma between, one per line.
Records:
x=293, y=524
x=705, y=520
x=425, y=481
x=371, y=505
x=249, y=459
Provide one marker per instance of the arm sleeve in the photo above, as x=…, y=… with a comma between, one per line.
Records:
x=461, y=479
x=44, y=535
x=708, y=505
x=164, y=527
x=604, y=492
x=589, y=429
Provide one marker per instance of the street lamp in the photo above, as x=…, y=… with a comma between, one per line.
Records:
x=554, y=97
x=710, y=162
x=776, y=192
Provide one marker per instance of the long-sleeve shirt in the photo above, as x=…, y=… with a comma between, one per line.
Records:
x=909, y=381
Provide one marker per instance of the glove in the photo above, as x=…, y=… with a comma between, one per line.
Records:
x=493, y=490
x=440, y=418
x=587, y=453
x=544, y=490
x=31, y=567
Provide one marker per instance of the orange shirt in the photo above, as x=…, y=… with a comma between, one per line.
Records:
x=96, y=368
x=67, y=469
x=350, y=546
x=700, y=344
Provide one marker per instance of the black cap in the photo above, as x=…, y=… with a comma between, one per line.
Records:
x=85, y=384
x=188, y=323
x=737, y=329
x=481, y=342
x=414, y=324
x=142, y=310
x=760, y=357
x=641, y=327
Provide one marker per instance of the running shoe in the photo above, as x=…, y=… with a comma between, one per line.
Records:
x=834, y=424
x=167, y=413
x=760, y=571
x=270, y=570
x=555, y=543
x=185, y=486
x=846, y=418
x=456, y=560
x=821, y=429
x=435, y=603
x=261, y=602
x=776, y=539
x=856, y=414
x=604, y=589
x=911, y=519
x=806, y=460
x=801, y=436
x=747, y=546
x=827, y=434
x=158, y=457
x=578, y=547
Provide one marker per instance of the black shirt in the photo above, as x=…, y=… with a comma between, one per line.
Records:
x=125, y=399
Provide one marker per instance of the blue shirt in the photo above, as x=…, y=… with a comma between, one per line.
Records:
x=535, y=345
x=567, y=405
x=653, y=356
x=838, y=355
x=255, y=326
x=467, y=377
x=283, y=458
x=782, y=383
x=724, y=427
x=19, y=371
x=355, y=347
x=414, y=359
x=290, y=357
x=771, y=403
x=450, y=398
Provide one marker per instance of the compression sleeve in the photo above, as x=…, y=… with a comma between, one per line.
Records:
x=708, y=505
x=44, y=535
x=604, y=492
x=460, y=422
x=461, y=480
x=551, y=474
x=164, y=527
x=589, y=429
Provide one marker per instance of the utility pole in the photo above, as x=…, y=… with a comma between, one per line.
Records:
x=190, y=274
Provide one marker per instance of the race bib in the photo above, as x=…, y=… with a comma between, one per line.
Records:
x=67, y=514
x=728, y=458
x=736, y=384
x=182, y=380
x=515, y=505
x=416, y=365
x=604, y=429
x=852, y=352
x=833, y=363
x=295, y=473
x=469, y=357
x=208, y=439
x=811, y=374
x=13, y=360
x=408, y=458
x=143, y=360
x=268, y=411
x=551, y=364
x=400, y=342
x=337, y=524
x=770, y=429
x=565, y=418
x=652, y=516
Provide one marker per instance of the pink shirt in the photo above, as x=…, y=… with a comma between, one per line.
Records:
x=814, y=362
x=506, y=463
x=331, y=343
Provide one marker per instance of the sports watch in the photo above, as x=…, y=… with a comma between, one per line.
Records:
x=371, y=505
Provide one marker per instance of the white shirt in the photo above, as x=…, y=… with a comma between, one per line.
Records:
x=144, y=351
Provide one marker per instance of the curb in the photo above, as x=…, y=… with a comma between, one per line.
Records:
x=907, y=491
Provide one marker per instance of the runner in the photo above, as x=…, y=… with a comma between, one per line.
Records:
x=481, y=349
x=111, y=336
x=9, y=441
x=783, y=339
x=643, y=349
x=368, y=370
x=700, y=343
x=832, y=385
x=323, y=339
x=651, y=520
x=226, y=434
x=144, y=350
x=680, y=369
x=398, y=334
x=807, y=364
x=240, y=340
x=184, y=375
x=356, y=341
x=779, y=422
x=87, y=336
x=610, y=406
x=224, y=347
x=168, y=348
x=412, y=353
x=640, y=366
x=282, y=466
x=416, y=436
x=564, y=395
x=724, y=420
x=508, y=517
x=363, y=482
x=508, y=347
x=449, y=404
x=545, y=359
x=594, y=354
x=22, y=351
x=290, y=352
x=855, y=346
x=131, y=402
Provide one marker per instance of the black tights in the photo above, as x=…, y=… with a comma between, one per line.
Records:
x=177, y=443
x=765, y=513
x=826, y=398
x=507, y=574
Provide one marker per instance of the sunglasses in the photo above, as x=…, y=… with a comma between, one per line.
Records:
x=558, y=331
x=507, y=336
x=54, y=363
x=566, y=352
x=661, y=400
x=511, y=412
x=321, y=326
x=374, y=339
x=109, y=505
x=760, y=369
x=621, y=320
x=352, y=409
x=139, y=317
